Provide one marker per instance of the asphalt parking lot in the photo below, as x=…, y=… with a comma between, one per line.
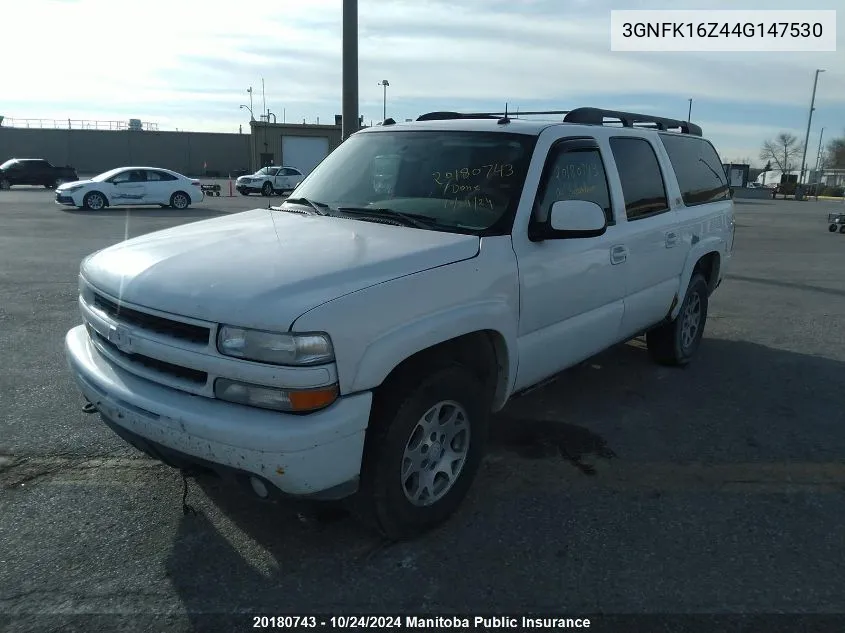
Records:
x=623, y=487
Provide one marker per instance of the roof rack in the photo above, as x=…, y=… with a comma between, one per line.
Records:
x=584, y=116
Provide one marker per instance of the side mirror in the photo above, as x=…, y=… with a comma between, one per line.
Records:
x=575, y=218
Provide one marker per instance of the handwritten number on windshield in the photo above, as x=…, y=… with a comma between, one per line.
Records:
x=502, y=170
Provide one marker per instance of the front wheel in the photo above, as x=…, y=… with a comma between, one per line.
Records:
x=676, y=342
x=423, y=450
x=832, y=228
x=94, y=201
x=267, y=189
x=842, y=229
x=5, y=185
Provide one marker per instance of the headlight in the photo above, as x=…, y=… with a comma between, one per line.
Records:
x=298, y=400
x=277, y=349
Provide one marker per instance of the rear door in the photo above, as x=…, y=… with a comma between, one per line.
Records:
x=159, y=187
x=650, y=243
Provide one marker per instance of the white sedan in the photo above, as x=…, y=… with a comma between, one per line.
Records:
x=132, y=186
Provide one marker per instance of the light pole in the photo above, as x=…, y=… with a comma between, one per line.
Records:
x=251, y=133
x=689, y=112
x=819, y=161
x=809, y=122
x=251, y=115
x=249, y=91
x=385, y=84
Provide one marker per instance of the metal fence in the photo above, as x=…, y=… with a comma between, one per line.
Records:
x=77, y=124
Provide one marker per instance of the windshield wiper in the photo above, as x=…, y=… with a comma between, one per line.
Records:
x=319, y=207
x=409, y=219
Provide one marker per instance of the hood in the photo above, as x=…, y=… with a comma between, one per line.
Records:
x=75, y=183
x=265, y=268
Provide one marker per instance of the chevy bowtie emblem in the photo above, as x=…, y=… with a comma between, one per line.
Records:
x=119, y=336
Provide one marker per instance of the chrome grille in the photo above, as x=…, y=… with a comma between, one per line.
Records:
x=151, y=322
x=177, y=371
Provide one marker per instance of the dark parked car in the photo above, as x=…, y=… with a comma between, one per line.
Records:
x=34, y=171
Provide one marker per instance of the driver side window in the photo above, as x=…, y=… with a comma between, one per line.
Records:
x=573, y=174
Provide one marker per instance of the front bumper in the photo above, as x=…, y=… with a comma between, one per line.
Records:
x=316, y=455
x=65, y=199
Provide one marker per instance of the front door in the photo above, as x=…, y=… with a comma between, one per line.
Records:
x=572, y=293
x=129, y=187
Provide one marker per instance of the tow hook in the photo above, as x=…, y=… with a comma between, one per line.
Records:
x=89, y=408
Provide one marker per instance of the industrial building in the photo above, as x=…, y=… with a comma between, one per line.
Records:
x=96, y=146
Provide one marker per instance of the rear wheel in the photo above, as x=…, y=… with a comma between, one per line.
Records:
x=842, y=229
x=267, y=189
x=5, y=185
x=180, y=200
x=676, y=342
x=832, y=228
x=94, y=201
x=424, y=446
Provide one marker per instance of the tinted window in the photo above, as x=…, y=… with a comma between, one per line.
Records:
x=701, y=175
x=130, y=176
x=156, y=176
x=464, y=181
x=573, y=174
x=639, y=172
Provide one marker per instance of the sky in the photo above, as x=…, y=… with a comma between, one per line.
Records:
x=187, y=64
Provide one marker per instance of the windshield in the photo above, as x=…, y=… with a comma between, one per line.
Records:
x=469, y=181
x=263, y=171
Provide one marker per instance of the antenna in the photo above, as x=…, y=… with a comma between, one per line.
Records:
x=504, y=120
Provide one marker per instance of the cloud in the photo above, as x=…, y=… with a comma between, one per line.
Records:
x=190, y=61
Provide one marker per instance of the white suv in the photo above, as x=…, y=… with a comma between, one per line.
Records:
x=353, y=341
x=269, y=181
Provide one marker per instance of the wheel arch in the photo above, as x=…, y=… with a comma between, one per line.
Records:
x=705, y=259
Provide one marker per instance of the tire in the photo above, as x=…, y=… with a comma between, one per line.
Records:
x=832, y=228
x=243, y=192
x=5, y=185
x=180, y=200
x=267, y=189
x=385, y=497
x=842, y=229
x=676, y=342
x=95, y=201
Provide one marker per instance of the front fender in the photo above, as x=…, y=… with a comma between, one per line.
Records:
x=375, y=329
x=387, y=351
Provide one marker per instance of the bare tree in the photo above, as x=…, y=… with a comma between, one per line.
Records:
x=783, y=151
x=836, y=154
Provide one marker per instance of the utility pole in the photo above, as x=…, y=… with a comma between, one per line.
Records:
x=384, y=83
x=689, y=112
x=249, y=90
x=809, y=122
x=350, y=68
x=819, y=154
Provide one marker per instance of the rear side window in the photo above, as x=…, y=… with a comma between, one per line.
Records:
x=642, y=180
x=156, y=176
x=698, y=168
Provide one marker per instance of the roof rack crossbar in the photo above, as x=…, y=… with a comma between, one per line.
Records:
x=597, y=116
x=584, y=116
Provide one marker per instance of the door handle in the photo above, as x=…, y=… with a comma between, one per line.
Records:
x=671, y=239
x=618, y=254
